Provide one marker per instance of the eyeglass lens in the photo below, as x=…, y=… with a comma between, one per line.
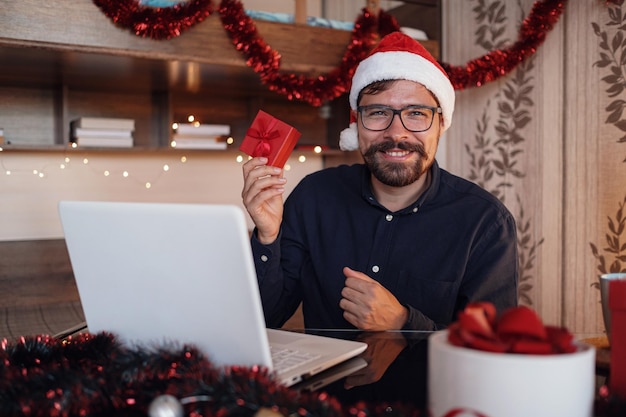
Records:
x=414, y=118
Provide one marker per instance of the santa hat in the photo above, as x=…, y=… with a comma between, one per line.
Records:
x=399, y=57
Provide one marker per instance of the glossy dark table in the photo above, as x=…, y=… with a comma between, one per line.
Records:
x=395, y=373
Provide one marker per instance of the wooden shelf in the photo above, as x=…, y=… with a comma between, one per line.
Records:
x=64, y=59
x=79, y=26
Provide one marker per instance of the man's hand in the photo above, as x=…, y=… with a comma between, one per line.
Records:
x=368, y=305
x=262, y=196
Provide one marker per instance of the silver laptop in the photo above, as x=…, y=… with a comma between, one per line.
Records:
x=154, y=273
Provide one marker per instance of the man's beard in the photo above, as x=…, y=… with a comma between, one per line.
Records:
x=395, y=174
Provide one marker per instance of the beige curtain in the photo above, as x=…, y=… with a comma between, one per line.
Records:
x=548, y=140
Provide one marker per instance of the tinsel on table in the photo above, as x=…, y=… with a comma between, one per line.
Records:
x=166, y=22
x=95, y=375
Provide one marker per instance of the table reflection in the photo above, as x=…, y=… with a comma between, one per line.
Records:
x=395, y=371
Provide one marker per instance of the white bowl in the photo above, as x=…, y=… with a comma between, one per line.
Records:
x=478, y=383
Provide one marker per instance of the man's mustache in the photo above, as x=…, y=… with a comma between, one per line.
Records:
x=390, y=144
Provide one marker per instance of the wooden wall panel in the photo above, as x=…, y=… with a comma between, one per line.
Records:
x=573, y=165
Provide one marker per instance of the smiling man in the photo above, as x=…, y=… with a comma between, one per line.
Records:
x=396, y=242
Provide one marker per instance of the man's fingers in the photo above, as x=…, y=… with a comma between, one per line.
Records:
x=255, y=168
x=260, y=185
x=258, y=181
x=351, y=273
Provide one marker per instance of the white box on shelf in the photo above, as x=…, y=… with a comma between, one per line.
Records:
x=103, y=123
x=198, y=143
x=103, y=142
x=203, y=129
x=80, y=132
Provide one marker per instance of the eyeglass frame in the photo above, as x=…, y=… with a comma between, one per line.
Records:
x=435, y=110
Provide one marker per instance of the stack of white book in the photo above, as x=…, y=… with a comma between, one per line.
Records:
x=200, y=136
x=102, y=132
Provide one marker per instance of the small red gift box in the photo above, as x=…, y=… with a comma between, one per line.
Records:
x=617, y=304
x=271, y=138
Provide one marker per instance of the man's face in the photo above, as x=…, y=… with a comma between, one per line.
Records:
x=396, y=156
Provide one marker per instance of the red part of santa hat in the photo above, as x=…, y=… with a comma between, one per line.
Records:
x=400, y=57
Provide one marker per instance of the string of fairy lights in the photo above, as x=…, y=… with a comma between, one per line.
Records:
x=86, y=160
x=100, y=164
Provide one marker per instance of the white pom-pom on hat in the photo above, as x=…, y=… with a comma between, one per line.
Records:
x=349, y=138
x=399, y=57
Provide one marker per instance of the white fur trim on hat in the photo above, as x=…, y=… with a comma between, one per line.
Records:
x=349, y=138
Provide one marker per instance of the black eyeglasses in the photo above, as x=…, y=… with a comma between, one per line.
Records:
x=415, y=118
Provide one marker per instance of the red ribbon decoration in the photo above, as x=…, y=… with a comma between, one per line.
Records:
x=264, y=136
x=517, y=330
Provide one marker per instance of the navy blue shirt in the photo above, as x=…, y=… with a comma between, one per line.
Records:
x=454, y=245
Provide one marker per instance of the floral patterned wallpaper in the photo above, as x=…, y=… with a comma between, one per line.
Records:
x=549, y=140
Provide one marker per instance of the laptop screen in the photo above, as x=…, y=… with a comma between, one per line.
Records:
x=175, y=273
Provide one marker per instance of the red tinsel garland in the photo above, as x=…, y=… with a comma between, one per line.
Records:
x=156, y=23
x=498, y=63
x=266, y=61
x=168, y=22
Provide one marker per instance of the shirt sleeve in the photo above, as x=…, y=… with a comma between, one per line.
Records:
x=418, y=321
x=493, y=270
x=278, y=304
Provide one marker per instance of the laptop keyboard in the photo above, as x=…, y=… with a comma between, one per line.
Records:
x=285, y=359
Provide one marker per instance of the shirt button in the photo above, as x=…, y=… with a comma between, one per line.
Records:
x=389, y=217
x=264, y=258
x=375, y=268
x=414, y=209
